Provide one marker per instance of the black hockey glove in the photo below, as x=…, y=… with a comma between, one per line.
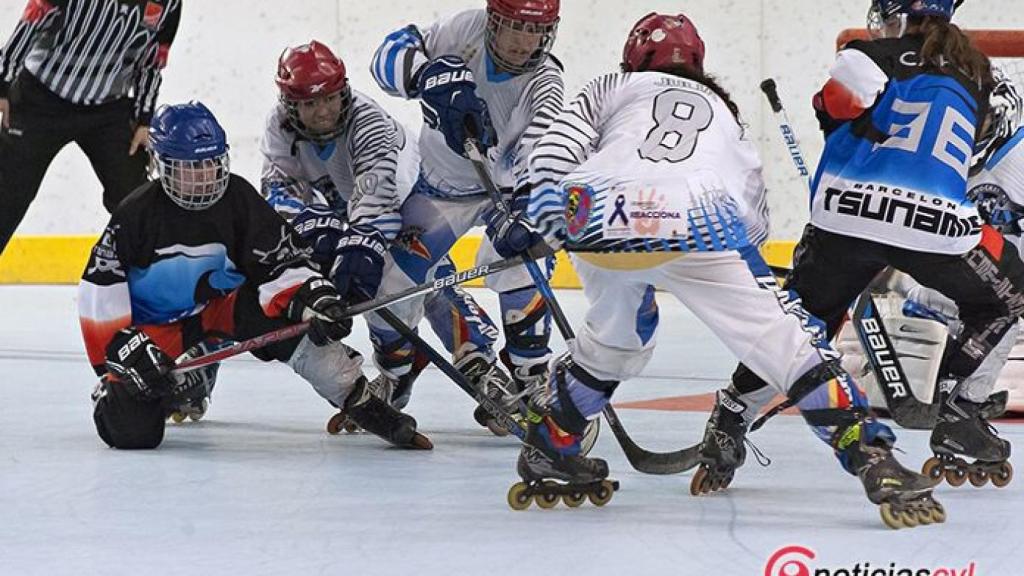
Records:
x=360, y=266
x=136, y=360
x=318, y=302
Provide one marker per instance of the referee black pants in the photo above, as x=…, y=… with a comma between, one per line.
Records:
x=41, y=125
x=986, y=283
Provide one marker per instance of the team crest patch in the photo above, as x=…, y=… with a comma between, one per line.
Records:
x=579, y=203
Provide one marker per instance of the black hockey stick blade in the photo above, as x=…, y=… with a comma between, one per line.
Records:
x=656, y=463
x=905, y=409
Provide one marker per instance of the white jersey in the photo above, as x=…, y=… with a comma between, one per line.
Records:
x=651, y=162
x=999, y=187
x=521, y=106
x=365, y=173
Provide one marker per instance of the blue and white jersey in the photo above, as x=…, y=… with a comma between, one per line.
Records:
x=521, y=106
x=897, y=173
x=365, y=173
x=648, y=162
x=998, y=188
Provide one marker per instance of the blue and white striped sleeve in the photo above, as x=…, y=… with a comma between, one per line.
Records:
x=374, y=146
x=397, y=61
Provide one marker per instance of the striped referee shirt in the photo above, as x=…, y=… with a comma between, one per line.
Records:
x=91, y=52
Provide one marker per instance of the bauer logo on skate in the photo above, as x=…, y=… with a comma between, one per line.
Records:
x=796, y=561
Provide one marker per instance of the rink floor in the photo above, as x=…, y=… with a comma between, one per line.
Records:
x=258, y=487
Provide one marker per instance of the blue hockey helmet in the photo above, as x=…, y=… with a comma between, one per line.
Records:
x=190, y=151
x=882, y=11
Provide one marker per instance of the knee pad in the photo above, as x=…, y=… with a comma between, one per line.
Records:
x=577, y=395
x=124, y=421
x=527, y=325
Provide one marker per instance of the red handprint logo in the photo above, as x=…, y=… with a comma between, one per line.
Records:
x=779, y=565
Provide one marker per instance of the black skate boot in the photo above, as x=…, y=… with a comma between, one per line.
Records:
x=552, y=468
x=722, y=450
x=903, y=496
x=963, y=430
x=376, y=416
x=489, y=378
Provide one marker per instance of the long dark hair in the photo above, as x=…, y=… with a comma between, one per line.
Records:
x=945, y=45
x=684, y=71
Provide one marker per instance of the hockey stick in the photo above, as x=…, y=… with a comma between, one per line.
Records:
x=905, y=409
x=298, y=329
x=490, y=404
x=640, y=459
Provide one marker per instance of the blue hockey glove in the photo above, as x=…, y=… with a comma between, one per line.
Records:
x=450, y=104
x=360, y=265
x=321, y=229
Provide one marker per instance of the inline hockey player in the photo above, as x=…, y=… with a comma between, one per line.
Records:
x=339, y=168
x=650, y=180
x=197, y=257
x=900, y=115
x=491, y=69
x=996, y=186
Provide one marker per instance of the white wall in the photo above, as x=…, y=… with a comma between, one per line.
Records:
x=226, y=52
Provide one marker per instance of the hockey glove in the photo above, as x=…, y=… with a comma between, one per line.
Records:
x=360, y=265
x=318, y=302
x=136, y=360
x=450, y=104
x=320, y=228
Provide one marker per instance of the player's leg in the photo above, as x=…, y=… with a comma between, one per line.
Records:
x=736, y=296
x=105, y=137
x=986, y=286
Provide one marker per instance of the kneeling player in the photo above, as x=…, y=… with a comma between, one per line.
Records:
x=651, y=181
x=196, y=257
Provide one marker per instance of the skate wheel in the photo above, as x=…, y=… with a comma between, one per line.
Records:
x=603, y=494
x=924, y=517
x=956, y=476
x=933, y=470
x=698, y=484
x=518, y=498
x=1003, y=476
x=548, y=498
x=574, y=500
x=336, y=423
x=888, y=517
x=496, y=428
x=421, y=442
x=938, y=513
x=978, y=478
x=178, y=417
x=909, y=517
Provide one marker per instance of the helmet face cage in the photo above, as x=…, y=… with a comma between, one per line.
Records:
x=499, y=25
x=1006, y=108
x=292, y=106
x=194, y=184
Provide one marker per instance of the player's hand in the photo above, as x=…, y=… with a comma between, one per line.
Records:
x=320, y=228
x=360, y=266
x=140, y=139
x=450, y=104
x=135, y=359
x=5, y=113
x=318, y=303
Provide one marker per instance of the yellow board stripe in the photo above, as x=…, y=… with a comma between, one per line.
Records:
x=61, y=259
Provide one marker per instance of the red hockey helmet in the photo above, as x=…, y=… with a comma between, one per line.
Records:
x=662, y=42
x=520, y=33
x=308, y=72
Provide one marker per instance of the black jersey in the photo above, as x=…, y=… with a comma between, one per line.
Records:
x=158, y=263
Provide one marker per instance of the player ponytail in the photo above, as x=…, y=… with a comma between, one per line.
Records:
x=945, y=45
x=684, y=71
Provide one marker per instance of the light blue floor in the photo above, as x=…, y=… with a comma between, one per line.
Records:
x=259, y=488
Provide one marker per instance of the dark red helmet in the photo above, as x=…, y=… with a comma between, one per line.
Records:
x=536, y=20
x=663, y=42
x=312, y=71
